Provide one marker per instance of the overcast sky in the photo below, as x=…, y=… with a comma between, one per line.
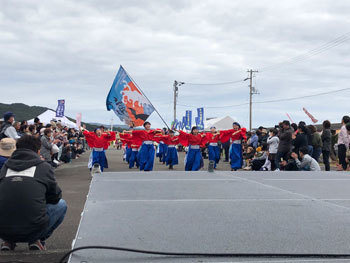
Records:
x=72, y=50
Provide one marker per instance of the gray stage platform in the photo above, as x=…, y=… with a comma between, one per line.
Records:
x=244, y=212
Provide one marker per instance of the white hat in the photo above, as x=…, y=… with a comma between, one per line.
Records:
x=7, y=147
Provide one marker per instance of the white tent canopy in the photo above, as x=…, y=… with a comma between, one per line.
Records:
x=222, y=123
x=49, y=115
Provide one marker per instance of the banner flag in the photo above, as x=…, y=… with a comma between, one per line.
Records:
x=310, y=116
x=127, y=101
x=60, y=108
x=188, y=125
x=200, y=124
x=290, y=119
x=182, y=123
x=176, y=124
x=78, y=120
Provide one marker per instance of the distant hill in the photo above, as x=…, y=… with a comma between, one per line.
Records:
x=22, y=111
x=115, y=126
x=25, y=112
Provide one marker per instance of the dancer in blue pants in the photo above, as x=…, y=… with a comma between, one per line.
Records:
x=146, y=152
x=193, y=160
x=213, y=148
x=162, y=147
x=171, y=141
x=236, y=135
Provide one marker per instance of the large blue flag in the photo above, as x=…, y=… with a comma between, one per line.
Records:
x=127, y=101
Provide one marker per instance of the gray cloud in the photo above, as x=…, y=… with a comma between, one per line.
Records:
x=72, y=49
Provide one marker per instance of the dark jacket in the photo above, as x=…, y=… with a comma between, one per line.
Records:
x=326, y=140
x=316, y=140
x=27, y=184
x=309, y=136
x=285, y=137
x=300, y=141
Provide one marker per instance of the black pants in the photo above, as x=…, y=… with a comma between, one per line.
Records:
x=226, y=147
x=272, y=158
x=342, y=156
x=279, y=155
x=325, y=155
x=257, y=164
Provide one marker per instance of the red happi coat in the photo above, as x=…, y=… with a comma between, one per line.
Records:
x=143, y=135
x=187, y=139
x=99, y=142
x=229, y=134
x=168, y=140
x=126, y=139
x=212, y=138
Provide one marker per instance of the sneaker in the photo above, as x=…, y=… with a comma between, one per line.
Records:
x=96, y=169
x=8, y=246
x=277, y=170
x=37, y=245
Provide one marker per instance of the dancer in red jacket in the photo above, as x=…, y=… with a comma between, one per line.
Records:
x=97, y=141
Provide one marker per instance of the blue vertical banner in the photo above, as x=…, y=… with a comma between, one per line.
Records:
x=60, y=108
x=174, y=124
x=196, y=119
x=188, y=125
x=200, y=118
x=183, y=123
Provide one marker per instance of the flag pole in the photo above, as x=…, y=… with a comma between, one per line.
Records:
x=145, y=97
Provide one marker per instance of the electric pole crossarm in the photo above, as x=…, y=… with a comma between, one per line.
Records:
x=251, y=92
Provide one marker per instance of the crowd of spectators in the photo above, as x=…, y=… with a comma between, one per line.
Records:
x=295, y=147
x=59, y=143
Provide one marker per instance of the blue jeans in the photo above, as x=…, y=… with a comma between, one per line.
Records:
x=316, y=153
x=56, y=215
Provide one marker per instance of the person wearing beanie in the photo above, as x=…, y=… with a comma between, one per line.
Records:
x=7, y=130
x=7, y=147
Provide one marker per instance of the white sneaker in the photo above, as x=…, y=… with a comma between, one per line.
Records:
x=277, y=170
x=96, y=169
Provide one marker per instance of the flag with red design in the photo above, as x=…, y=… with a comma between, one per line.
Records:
x=127, y=101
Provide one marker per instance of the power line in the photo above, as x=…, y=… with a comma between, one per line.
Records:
x=301, y=97
x=213, y=107
x=324, y=47
x=267, y=101
x=212, y=84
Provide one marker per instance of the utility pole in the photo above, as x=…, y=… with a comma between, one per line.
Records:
x=252, y=91
x=176, y=89
x=176, y=93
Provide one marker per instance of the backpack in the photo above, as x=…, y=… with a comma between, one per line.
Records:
x=3, y=129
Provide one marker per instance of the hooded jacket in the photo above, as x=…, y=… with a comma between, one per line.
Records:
x=27, y=184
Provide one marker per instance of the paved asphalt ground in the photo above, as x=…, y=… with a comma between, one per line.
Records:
x=75, y=178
